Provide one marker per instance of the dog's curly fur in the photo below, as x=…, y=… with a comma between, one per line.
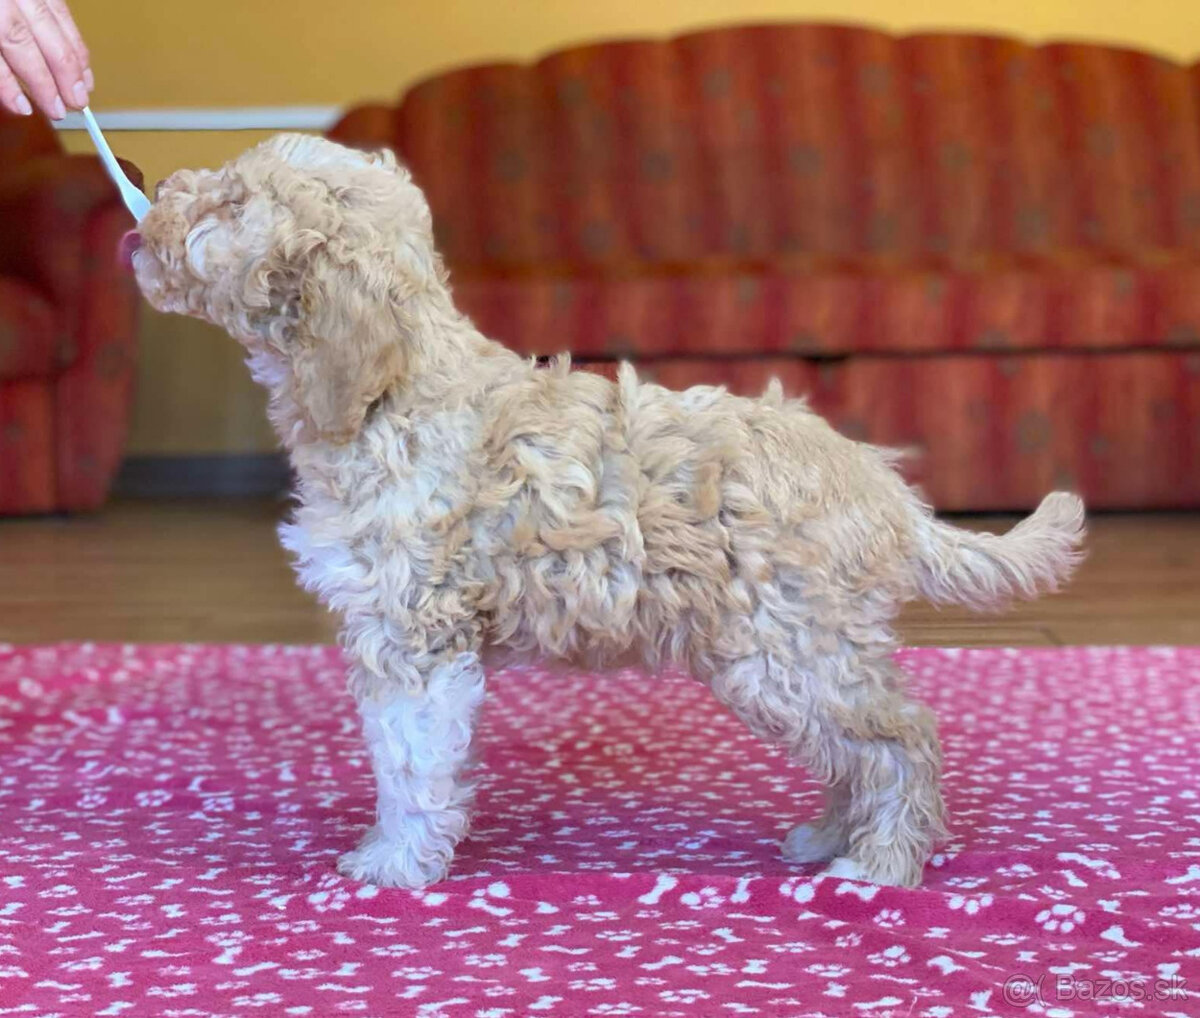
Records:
x=454, y=498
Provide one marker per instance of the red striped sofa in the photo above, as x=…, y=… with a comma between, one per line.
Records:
x=983, y=249
x=68, y=324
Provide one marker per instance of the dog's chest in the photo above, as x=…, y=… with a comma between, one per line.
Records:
x=373, y=533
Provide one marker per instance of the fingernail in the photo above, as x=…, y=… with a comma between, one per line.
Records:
x=80, y=93
x=89, y=79
x=57, y=109
x=23, y=106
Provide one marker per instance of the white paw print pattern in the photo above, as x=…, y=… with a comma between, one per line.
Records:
x=170, y=818
x=1059, y=918
x=969, y=903
x=706, y=897
x=890, y=957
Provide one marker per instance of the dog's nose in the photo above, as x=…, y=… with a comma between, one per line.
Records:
x=126, y=247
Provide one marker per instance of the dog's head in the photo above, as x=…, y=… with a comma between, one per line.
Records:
x=309, y=254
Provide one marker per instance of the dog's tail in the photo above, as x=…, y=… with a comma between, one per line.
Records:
x=985, y=571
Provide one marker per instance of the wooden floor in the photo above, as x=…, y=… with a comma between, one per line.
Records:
x=213, y=571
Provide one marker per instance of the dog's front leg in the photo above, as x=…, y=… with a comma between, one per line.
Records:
x=418, y=743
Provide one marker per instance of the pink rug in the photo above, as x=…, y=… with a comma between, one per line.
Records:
x=170, y=817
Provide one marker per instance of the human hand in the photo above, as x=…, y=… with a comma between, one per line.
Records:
x=42, y=50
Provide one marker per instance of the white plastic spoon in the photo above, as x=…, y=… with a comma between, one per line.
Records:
x=135, y=201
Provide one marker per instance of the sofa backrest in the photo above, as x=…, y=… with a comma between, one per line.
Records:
x=808, y=140
x=24, y=138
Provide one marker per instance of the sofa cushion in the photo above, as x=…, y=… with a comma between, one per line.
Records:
x=831, y=309
x=999, y=431
x=29, y=345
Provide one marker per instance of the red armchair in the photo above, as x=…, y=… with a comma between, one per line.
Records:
x=68, y=324
x=985, y=250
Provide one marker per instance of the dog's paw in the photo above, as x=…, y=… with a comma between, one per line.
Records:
x=893, y=873
x=388, y=862
x=843, y=868
x=810, y=843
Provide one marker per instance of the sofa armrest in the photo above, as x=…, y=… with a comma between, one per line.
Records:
x=94, y=392
x=46, y=204
x=60, y=221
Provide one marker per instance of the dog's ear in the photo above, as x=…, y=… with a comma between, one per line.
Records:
x=347, y=349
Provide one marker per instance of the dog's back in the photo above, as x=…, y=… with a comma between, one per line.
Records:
x=627, y=519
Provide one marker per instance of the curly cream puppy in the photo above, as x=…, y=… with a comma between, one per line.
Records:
x=455, y=499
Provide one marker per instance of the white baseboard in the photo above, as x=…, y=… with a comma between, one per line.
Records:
x=235, y=118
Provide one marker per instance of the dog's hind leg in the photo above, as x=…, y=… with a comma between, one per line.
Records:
x=844, y=716
x=765, y=696
x=887, y=748
x=826, y=837
x=419, y=743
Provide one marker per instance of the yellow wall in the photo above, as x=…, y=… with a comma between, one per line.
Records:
x=194, y=394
